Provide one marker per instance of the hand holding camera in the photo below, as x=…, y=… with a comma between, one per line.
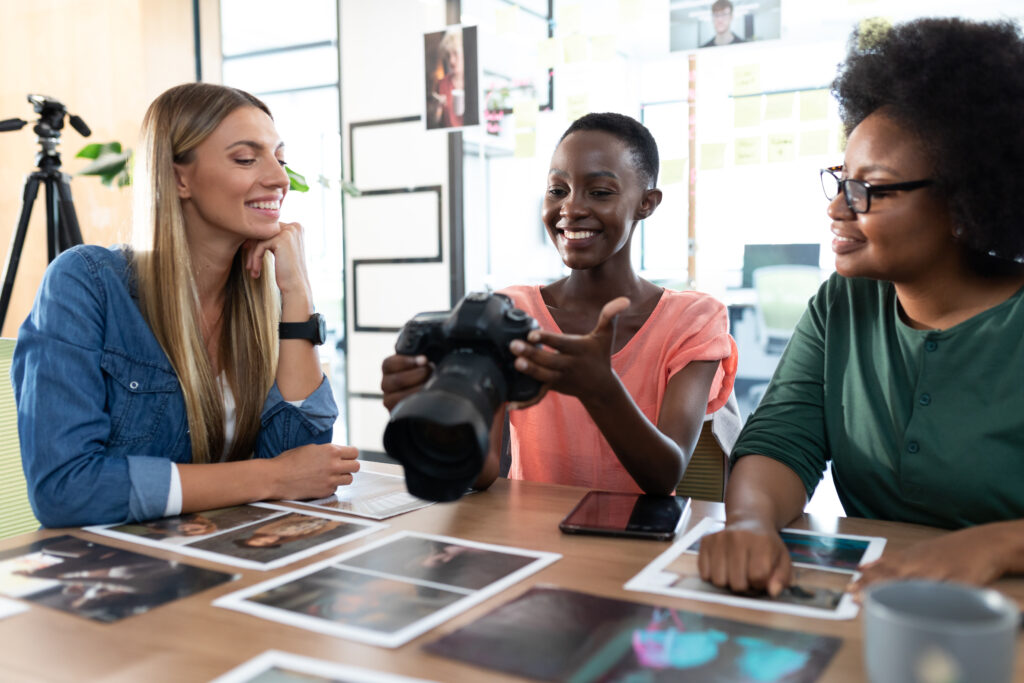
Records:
x=441, y=432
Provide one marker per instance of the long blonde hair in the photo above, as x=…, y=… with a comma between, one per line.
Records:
x=175, y=124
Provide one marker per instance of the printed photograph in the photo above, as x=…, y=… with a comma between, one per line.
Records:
x=825, y=551
x=98, y=582
x=844, y=553
x=262, y=536
x=279, y=537
x=438, y=561
x=372, y=495
x=720, y=23
x=187, y=528
x=556, y=634
x=813, y=588
x=452, y=90
x=274, y=666
x=389, y=592
x=355, y=599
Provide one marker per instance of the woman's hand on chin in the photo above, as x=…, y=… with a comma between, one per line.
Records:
x=289, y=252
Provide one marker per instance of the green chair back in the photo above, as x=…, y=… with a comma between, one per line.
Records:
x=15, y=512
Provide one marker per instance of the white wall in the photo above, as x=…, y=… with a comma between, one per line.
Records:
x=381, y=79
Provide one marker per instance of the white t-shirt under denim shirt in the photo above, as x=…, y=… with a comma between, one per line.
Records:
x=174, y=501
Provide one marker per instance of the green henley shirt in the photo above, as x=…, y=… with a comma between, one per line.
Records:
x=922, y=426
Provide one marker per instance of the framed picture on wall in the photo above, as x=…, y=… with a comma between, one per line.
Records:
x=721, y=23
x=451, y=68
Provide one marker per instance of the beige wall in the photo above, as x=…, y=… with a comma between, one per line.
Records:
x=105, y=60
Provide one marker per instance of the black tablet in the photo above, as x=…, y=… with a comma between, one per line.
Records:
x=637, y=515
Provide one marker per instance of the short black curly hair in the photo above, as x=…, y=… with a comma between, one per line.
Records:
x=635, y=134
x=959, y=87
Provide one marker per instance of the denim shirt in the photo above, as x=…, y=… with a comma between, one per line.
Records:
x=101, y=415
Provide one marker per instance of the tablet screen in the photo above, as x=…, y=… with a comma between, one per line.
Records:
x=626, y=514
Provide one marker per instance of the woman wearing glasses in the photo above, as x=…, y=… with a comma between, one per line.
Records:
x=905, y=371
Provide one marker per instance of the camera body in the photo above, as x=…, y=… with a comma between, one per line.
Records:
x=441, y=434
x=480, y=323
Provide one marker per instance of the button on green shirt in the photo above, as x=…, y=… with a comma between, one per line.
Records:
x=923, y=426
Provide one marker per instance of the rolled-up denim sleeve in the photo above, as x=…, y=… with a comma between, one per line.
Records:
x=63, y=419
x=285, y=426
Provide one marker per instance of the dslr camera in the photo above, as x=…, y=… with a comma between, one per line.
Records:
x=441, y=434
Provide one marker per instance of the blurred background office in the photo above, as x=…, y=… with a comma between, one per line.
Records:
x=401, y=219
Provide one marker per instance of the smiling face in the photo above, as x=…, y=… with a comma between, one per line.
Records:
x=232, y=184
x=907, y=235
x=594, y=198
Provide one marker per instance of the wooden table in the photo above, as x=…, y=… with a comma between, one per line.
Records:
x=190, y=640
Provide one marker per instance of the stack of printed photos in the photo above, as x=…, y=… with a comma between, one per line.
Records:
x=259, y=536
x=390, y=591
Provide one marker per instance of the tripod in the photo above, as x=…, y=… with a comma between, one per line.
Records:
x=62, y=230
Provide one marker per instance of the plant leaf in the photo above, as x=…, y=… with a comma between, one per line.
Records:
x=298, y=181
x=90, y=151
x=107, y=164
x=98, y=149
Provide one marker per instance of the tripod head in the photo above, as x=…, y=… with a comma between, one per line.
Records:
x=51, y=120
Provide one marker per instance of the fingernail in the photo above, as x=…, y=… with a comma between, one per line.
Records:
x=534, y=336
x=521, y=364
x=421, y=360
x=516, y=346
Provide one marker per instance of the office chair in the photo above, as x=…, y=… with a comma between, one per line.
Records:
x=708, y=469
x=16, y=515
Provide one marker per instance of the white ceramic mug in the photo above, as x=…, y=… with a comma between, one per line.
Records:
x=931, y=632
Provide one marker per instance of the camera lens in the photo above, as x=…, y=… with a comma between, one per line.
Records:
x=441, y=434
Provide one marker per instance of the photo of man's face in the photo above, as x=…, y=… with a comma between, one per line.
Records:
x=722, y=19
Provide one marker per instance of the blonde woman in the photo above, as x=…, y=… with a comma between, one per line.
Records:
x=156, y=381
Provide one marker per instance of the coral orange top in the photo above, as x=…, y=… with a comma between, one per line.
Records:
x=556, y=441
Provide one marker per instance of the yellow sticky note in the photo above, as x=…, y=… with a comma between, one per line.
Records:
x=548, y=53
x=575, y=47
x=526, y=144
x=602, y=48
x=506, y=19
x=813, y=105
x=712, y=156
x=569, y=19
x=781, y=147
x=813, y=143
x=630, y=10
x=526, y=113
x=746, y=79
x=746, y=111
x=778, y=106
x=672, y=171
x=747, y=151
x=576, y=106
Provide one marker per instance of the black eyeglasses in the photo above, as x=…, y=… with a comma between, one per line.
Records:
x=857, y=192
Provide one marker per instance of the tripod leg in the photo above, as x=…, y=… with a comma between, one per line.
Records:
x=17, y=242
x=68, y=230
x=52, y=218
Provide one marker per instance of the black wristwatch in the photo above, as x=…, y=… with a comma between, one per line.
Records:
x=313, y=330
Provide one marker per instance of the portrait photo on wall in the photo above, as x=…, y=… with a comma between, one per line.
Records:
x=452, y=96
x=721, y=23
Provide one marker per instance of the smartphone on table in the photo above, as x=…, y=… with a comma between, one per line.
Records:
x=634, y=515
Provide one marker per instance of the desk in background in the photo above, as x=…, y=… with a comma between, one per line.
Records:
x=190, y=640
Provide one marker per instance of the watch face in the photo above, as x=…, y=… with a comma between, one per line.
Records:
x=313, y=330
x=321, y=326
